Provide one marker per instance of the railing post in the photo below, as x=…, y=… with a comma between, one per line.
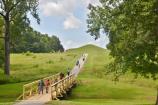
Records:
x=51, y=92
x=23, y=92
x=31, y=91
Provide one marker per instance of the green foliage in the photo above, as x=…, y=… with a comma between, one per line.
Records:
x=132, y=28
x=36, y=42
x=50, y=62
x=28, y=53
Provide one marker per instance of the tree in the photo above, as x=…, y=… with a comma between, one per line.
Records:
x=12, y=11
x=132, y=28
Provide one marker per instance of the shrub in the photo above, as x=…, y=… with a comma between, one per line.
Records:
x=61, y=59
x=28, y=53
x=34, y=56
x=35, y=66
x=50, y=62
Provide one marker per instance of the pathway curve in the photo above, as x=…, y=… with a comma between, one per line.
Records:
x=45, y=97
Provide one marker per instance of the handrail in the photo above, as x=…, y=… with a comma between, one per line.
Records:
x=60, y=87
x=61, y=80
x=31, y=89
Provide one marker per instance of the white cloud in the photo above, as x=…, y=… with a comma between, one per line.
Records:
x=64, y=9
x=70, y=44
x=57, y=7
x=71, y=22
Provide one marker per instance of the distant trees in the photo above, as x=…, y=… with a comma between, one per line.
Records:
x=36, y=42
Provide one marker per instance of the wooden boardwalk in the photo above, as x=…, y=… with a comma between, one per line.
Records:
x=56, y=90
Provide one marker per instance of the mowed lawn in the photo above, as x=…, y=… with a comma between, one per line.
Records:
x=94, y=87
x=28, y=67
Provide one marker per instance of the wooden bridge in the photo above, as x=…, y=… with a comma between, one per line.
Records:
x=58, y=88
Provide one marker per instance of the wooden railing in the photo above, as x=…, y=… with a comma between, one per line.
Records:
x=61, y=87
x=31, y=89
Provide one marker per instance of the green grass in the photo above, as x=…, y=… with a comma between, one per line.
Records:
x=94, y=87
x=27, y=68
x=9, y=92
x=99, y=102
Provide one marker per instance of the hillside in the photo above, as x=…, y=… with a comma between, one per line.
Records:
x=94, y=87
x=91, y=49
x=26, y=67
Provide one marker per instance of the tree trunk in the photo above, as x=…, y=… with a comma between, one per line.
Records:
x=157, y=97
x=7, y=46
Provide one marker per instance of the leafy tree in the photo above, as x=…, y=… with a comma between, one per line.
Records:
x=14, y=12
x=132, y=28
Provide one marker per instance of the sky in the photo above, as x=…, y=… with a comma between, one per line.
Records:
x=67, y=20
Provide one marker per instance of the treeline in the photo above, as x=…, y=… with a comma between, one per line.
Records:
x=36, y=42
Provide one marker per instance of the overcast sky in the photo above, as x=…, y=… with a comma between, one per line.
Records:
x=67, y=20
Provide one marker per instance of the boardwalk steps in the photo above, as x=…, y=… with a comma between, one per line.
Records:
x=59, y=88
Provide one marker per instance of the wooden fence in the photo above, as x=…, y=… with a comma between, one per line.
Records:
x=61, y=87
x=31, y=89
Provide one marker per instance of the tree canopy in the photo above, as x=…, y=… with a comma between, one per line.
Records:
x=132, y=28
x=36, y=42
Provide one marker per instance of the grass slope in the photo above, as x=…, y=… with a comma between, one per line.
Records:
x=97, y=89
x=94, y=87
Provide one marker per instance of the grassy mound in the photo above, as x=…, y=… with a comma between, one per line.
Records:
x=94, y=87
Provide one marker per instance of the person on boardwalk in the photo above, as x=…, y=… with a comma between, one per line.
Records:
x=47, y=84
x=61, y=75
x=68, y=71
x=78, y=63
x=40, y=86
x=83, y=58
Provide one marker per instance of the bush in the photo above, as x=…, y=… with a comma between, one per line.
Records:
x=50, y=62
x=62, y=59
x=34, y=56
x=35, y=66
x=28, y=53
